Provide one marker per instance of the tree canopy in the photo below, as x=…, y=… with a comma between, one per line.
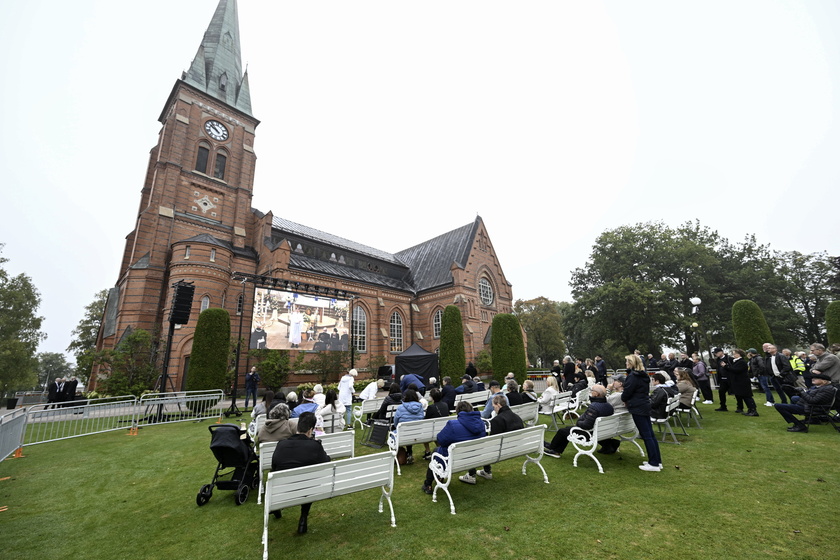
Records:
x=543, y=322
x=83, y=343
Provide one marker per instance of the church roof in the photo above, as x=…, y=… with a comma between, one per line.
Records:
x=217, y=66
x=428, y=265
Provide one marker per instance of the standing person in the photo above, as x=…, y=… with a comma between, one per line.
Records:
x=601, y=369
x=53, y=391
x=635, y=395
x=70, y=391
x=252, y=382
x=557, y=372
x=721, y=360
x=471, y=370
x=345, y=394
x=568, y=372
x=701, y=374
x=410, y=378
x=827, y=363
x=300, y=450
x=777, y=367
x=797, y=365
x=739, y=381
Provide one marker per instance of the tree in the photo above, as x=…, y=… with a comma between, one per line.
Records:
x=805, y=290
x=508, y=347
x=50, y=366
x=453, y=360
x=83, y=344
x=209, y=358
x=543, y=323
x=20, y=331
x=275, y=365
x=130, y=368
x=328, y=364
x=832, y=322
x=749, y=325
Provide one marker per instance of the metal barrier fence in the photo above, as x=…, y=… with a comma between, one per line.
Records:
x=11, y=431
x=43, y=423
x=163, y=408
x=26, y=398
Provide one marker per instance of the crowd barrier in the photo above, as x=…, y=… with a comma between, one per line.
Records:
x=43, y=423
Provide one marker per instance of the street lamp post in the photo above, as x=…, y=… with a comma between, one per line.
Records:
x=696, y=301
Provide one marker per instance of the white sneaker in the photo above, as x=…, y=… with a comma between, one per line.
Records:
x=650, y=468
x=708, y=402
x=467, y=478
x=769, y=404
x=485, y=475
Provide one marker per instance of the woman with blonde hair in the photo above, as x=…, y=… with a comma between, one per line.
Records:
x=686, y=387
x=546, y=400
x=635, y=395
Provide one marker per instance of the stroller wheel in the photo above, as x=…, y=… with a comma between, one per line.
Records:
x=204, y=495
x=242, y=495
x=255, y=483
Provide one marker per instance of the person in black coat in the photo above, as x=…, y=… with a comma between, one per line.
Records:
x=438, y=409
x=660, y=395
x=740, y=384
x=635, y=394
x=394, y=396
x=53, y=391
x=720, y=363
x=448, y=392
x=598, y=407
x=300, y=450
x=568, y=372
x=504, y=421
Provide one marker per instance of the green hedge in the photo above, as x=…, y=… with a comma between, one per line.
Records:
x=453, y=361
x=749, y=325
x=832, y=322
x=508, y=347
x=209, y=357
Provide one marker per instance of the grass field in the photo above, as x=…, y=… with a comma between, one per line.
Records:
x=739, y=488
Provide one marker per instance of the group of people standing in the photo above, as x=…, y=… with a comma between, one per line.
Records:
x=62, y=392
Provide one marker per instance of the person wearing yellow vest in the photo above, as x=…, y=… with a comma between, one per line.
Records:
x=797, y=365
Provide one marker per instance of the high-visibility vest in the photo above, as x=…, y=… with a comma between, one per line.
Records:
x=797, y=365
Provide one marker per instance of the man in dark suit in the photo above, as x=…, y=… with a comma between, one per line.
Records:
x=300, y=450
x=70, y=391
x=53, y=391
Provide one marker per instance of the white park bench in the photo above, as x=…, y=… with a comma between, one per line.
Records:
x=337, y=446
x=527, y=412
x=476, y=399
x=369, y=406
x=476, y=453
x=415, y=432
x=312, y=483
x=606, y=427
x=560, y=404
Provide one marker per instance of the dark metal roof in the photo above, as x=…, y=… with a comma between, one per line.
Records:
x=302, y=262
x=247, y=252
x=431, y=261
x=289, y=226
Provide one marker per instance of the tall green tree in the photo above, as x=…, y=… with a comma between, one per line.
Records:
x=748, y=324
x=20, y=331
x=453, y=359
x=805, y=291
x=832, y=322
x=83, y=342
x=131, y=367
x=543, y=324
x=50, y=366
x=328, y=365
x=508, y=347
x=210, y=351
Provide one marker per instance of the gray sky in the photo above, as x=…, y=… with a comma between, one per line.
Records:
x=392, y=122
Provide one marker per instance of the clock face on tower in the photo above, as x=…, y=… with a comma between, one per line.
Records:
x=216, y=130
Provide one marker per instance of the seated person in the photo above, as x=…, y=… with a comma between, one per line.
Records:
x=277, y=426
x=598, y=406
x=467, y=385
x=505, y=420
x=479, y=384
x=660, y=395
x=814, y=401
x=308, y=404
x=580, y=384
x=331, y=413
x=265, y=405
x=512, y=392
x=495, y=389
x=465, y=426
x=546, y=400
x=300, y=450
x=393, y=397
x=448, y=393
x=291, y=400
x=438, y=409
x=614, y=389
x=410, y=409
x=686, y=386
x=528, y=394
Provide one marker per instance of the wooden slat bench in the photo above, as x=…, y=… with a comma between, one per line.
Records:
x=304, y=485
x=528, y=412
x=337, y=446
x=476, y=453
x=415, y=432
x=606, y=427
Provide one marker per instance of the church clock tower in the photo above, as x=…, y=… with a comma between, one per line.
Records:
x=195, y=221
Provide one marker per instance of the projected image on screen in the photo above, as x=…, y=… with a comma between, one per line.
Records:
x=287, y=320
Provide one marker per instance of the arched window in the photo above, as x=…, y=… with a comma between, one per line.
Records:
x=202, y=158
x=205, y=302
x=221, y=164
x=396, y=332
x=437, y=320
x=240, y=303
x=485, y=291
x=359, y=328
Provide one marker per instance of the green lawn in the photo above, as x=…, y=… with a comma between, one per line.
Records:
x=739, y=488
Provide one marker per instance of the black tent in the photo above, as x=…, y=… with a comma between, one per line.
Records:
x=417, y=361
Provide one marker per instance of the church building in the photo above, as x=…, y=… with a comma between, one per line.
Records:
x=284, y=284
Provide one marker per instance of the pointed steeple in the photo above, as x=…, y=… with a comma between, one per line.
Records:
x=217, y=66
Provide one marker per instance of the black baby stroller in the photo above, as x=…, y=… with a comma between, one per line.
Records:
x=233, y=452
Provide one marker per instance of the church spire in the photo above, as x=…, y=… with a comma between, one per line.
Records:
x=217, y=66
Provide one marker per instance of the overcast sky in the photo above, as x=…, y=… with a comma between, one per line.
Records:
x=389, y=123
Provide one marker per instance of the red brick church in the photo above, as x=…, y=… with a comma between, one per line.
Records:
x=195, y=223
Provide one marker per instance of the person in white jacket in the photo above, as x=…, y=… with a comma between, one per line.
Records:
x=345, y=394
x=546, y=400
